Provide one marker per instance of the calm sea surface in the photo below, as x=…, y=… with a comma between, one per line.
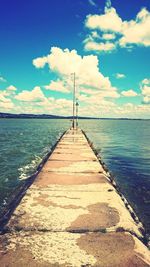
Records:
x=122, y=144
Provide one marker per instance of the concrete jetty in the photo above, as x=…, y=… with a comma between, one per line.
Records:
x=72, y=216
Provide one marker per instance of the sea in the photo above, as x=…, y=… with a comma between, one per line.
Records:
x=123, y=146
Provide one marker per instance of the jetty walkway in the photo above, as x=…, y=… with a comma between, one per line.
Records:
x=72, y=215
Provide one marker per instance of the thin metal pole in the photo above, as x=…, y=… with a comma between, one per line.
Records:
x=77, y=104
x=74, y=97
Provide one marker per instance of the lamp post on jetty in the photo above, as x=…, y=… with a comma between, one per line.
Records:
x=77, y=104
x=74, y=99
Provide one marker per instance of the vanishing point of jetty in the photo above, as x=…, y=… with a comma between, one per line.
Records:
x=72, y=215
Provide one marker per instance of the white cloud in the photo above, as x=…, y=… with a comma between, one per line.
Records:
x=5, y=102
x=2, y=79
x=105, y=108
x=129, y=93
x=36, y=95
x=112, y=94
x=60, y=61
x=122, y=33
x=62, y=103
x=39, y=62
x=129, y=105
x=11, y=88
x=91, y=105
x=6, y=105
x=97, y=96
x=120, y=75
x=108, y=36
x=137, y=31
x=49, y=105
x=59, y=85
x=3, y=98
x=65, y=62
x=94, y=46
x=110, y=21
x=145, y=89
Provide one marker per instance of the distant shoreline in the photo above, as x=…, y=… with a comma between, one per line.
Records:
x=46, y=116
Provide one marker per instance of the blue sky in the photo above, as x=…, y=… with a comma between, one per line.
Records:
x=107, y=45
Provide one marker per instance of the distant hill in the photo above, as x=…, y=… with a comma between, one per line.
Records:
x=29, y=116
x=46, y=116
x=37, y=116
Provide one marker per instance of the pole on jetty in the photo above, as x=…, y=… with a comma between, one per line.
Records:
x=77, y=104
x=74, y=99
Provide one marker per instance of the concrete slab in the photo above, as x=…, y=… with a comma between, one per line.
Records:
x=73, y=167
x=46, y=249
x=78, y=151
x=56, y=211
x=73, y=157
x=70, y=138
x=74, y=147
x=75, y=143
x=45, y=179
x=73, y=139
x=72, y=208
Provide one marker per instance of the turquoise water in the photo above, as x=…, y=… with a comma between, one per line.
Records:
x=122, y=144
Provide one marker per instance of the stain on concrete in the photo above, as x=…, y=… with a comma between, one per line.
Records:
x=100, y=216
x=42, y=200
x=111, y=249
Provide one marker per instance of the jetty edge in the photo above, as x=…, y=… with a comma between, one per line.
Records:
x=72, y=215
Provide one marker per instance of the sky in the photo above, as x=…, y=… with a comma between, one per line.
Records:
x=105, y=43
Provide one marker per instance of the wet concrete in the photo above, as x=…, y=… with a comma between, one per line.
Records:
x=72, y=216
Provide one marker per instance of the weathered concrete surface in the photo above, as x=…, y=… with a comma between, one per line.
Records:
x=72, y=216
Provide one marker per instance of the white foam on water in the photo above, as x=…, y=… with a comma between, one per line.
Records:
x=29, y=169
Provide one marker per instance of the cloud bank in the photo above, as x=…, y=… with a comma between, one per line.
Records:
x=108, y=31
x=64, y=62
